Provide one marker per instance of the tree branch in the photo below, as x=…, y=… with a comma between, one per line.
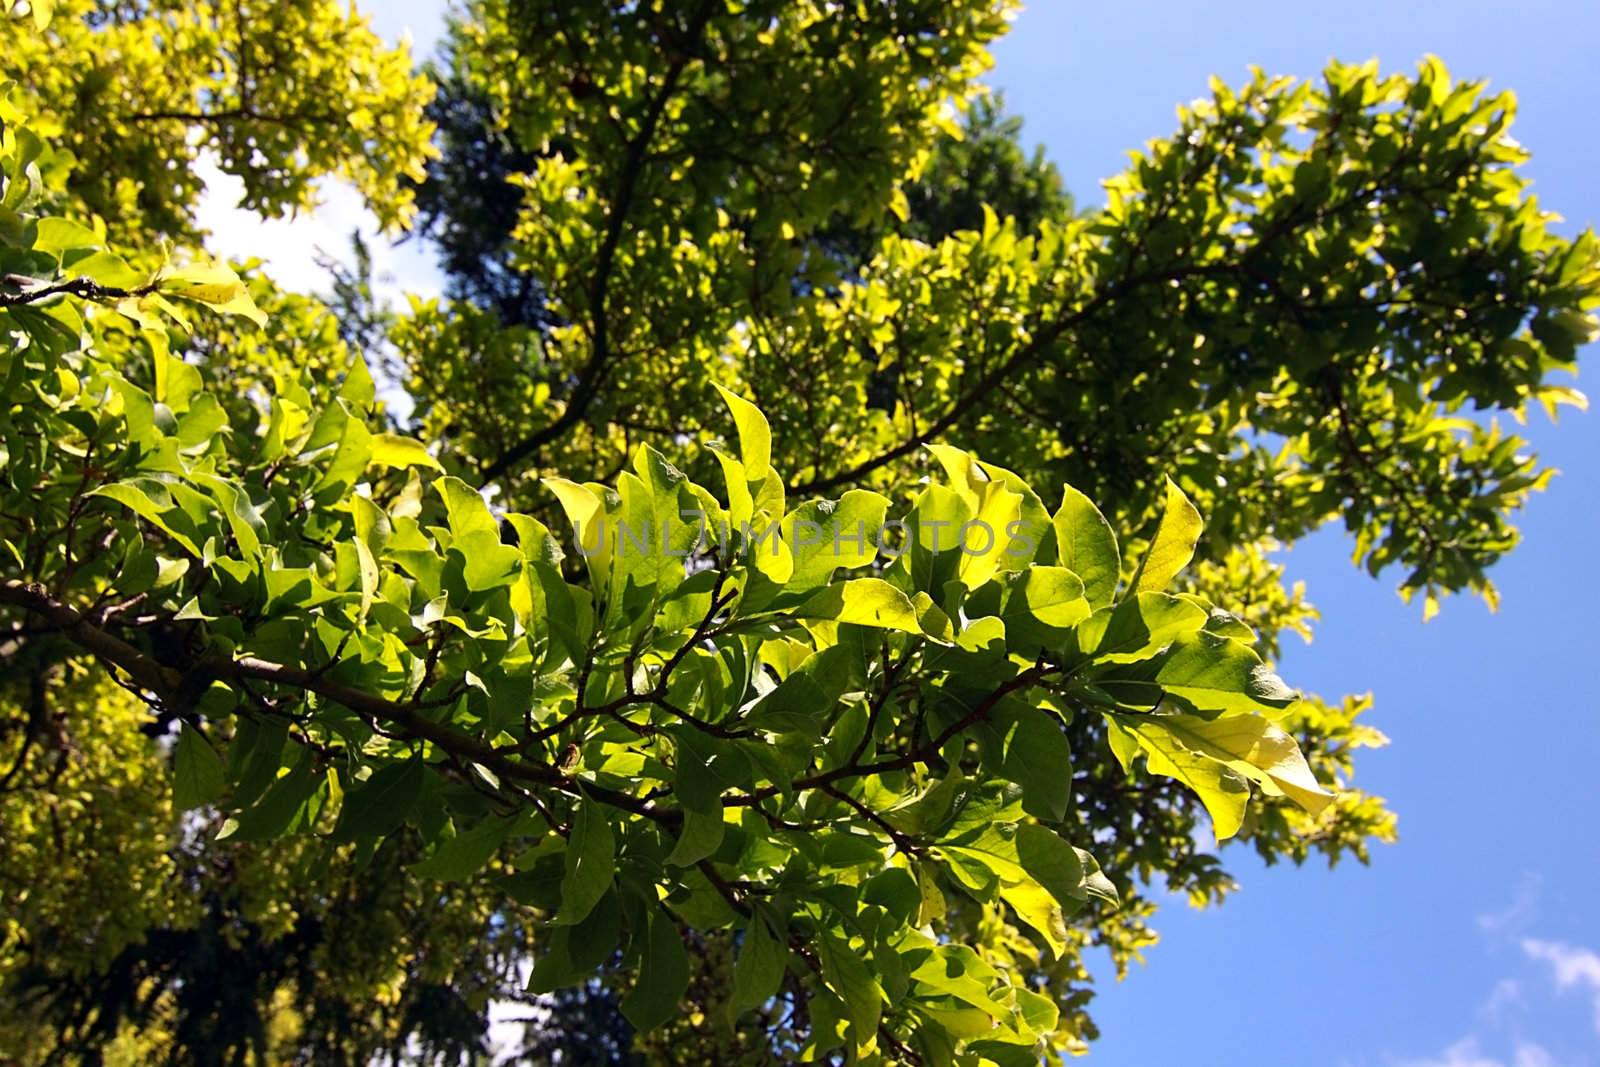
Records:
x=593, y=372
x=33, y=292
x=165, y=683
x=145, y=672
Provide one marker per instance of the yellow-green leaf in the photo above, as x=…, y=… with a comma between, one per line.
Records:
x=1253, y=747
x=864, y=602
x=1173, y=546
x=214, y=284
x=755, y=436
x=1223, y=790
x=393, y=450
x=1087, y=546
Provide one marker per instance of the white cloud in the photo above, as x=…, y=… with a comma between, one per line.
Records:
x=1498, y=1040
x=1506, y=993
x=1533, y=1056
x=1572, y=967
x=1463, y=1053
x=1524, y=904
x=1466, y=1053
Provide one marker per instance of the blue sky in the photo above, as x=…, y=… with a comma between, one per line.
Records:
x=1474, y=942
x=1453, y=946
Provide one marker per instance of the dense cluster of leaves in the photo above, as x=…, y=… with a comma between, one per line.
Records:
x=1310, y=281
x=838, y=743
x=697, y=734
x=277, y=94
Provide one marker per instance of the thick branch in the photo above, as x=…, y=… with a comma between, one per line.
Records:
x=145, y=672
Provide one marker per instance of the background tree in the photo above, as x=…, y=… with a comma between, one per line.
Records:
x=1337, y=268
x=1212, y=322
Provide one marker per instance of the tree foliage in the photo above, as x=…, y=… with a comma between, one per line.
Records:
x=788, y=618
x=276, y=94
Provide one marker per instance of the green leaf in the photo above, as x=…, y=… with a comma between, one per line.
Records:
x=663, y=976
x=1173, y=546
x=826, y=535
x=197, y=773
x=553, y=968
x=1039, y=1012
x=985, y=539
x=379, y=806
x=106, y=268
x=957, y=971
x=848, y=975
x=486, y=561
x=864, y=602
x=150, y=500
x=1200, y=671
x=933, y=553
x=214, y=284
x=700, y=836
x=1222, y=789
x=1042, y=604
x=594, y=941
x=465, y=509
x=1070, y=874
x=57, y=235
x=1087, y=546
x=291, y=802
x=755, y=436
x=1023, y=546
x=460, y=857
x=1138, y=628
x=352, y=452
x=585, y=508
x=894, y=889
x=1037, y=756
x=201, y=422
x=986, y=862
x=799, y=703
x=933, y=906
x=1250, y=745
x=358, y=388
x=1215, y=673
x=392, y=450
x=573, y=953
x=758, y=973
x=242, y=518
x=1037, y=908
x=590, y=864
x=651, y=537
x=176, y=381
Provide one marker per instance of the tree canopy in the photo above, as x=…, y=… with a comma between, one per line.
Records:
x=783, y=628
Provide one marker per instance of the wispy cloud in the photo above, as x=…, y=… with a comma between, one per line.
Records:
x=1524, y=905
x=1517, y=1003
x=1572, y=967
x=1466, y=1053
x=1506, y=993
